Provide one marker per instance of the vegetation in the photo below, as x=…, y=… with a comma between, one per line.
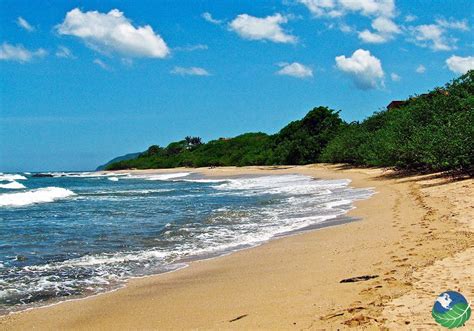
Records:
x=433, y=131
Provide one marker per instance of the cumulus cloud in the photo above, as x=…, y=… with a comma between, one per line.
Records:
x=460, y=65
x=19, y=53
x=208, y=17
x=435, y=35
x=382, y=12
x=267, y=28
x=395, y=77
x=420, y=69
x=191, y=71
x=319, y=7
x=22, y=23
x=295, y=69
x=364, y=69
x=64, y=52
x=336, y=8
x=432, y=36
x=385, y=29
x=113, y=32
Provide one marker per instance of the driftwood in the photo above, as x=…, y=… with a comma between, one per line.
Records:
x=358, y=279
x=237, y=318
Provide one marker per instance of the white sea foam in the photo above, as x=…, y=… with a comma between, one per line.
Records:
x=11, y=177
x=41, y=195
x=281, y=184
x=113, y=179
x=163, y=177
x=13, y=185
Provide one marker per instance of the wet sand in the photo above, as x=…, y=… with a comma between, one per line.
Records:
x=415, y=235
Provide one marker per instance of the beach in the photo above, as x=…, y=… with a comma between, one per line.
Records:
x=414, y=236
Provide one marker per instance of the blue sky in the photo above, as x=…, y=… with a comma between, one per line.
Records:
x=84, y=81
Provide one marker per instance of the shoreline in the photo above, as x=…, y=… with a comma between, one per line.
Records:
x=278, y=283
x=185, y=262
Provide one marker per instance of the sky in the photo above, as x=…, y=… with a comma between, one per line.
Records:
x=82, y=82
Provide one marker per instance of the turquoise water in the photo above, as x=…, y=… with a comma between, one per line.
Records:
x=78, y=234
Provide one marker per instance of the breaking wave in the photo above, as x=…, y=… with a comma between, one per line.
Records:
x=41, y=195
x=13, y=186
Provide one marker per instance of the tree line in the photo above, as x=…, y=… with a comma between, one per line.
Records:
x=432, y=131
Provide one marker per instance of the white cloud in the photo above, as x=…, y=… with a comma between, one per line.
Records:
x=385, y=29
x=267, y=28
x=420, y=69
x=452, y=24
x=191, y=48
x=21, y=22
x=371, y=37
x=345, y=28
x=460, y=65
x=19, y=53
x=336, y=8
x=64, y=52
x=191, y=71
x=208, y=17
x=102, y=64
x=395, y=77
x=435, y=36
x=385, y=26
x=364, y=69
x=319, y=7
x=382, y=11
x=295, y=69
x=432, y=36
x=370, y=7
x=113, y=32
x=410, y=18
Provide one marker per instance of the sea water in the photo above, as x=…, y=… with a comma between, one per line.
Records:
x=79, y=234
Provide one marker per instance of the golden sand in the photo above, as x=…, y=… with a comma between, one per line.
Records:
x=415, y=234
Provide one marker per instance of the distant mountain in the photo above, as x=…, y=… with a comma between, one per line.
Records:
x=125, y=157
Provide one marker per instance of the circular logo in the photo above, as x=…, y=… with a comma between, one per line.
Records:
x=451, y=309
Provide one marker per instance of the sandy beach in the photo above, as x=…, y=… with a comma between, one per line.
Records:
x=415, y=235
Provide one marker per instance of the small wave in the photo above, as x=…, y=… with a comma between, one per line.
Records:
x=204, y=180
x=11, y=177
x=113, y=179
x=41, y=195
x=13, y=186
x=125, y=192
x=89, y=174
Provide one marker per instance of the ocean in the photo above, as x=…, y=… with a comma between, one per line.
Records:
x=83, y=233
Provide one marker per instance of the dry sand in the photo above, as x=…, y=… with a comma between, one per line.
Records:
x=415, y=235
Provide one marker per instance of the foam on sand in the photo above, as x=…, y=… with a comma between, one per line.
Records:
x=41, y=195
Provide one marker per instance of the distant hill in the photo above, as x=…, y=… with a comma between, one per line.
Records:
x=125, y=157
